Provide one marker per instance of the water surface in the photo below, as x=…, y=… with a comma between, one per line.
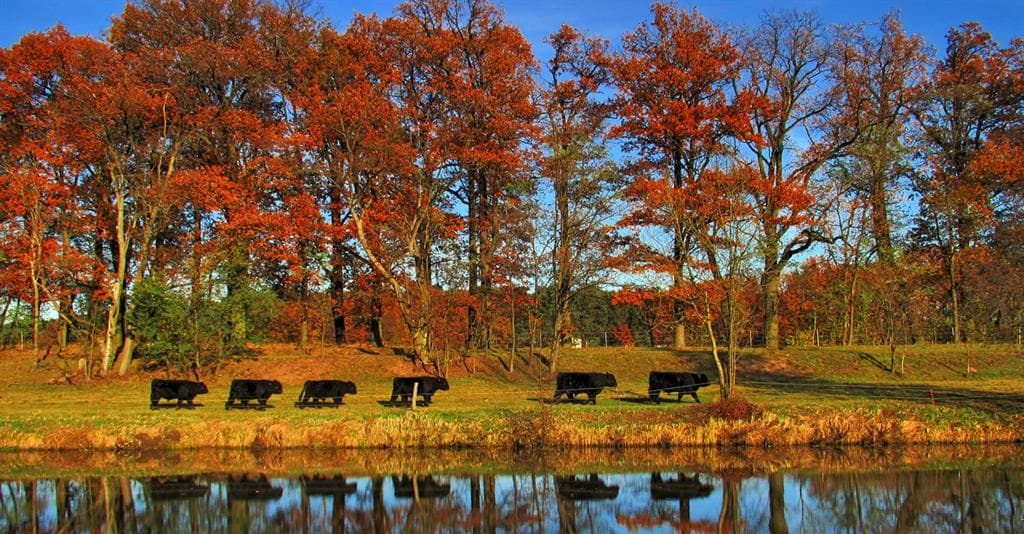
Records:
x=937, y=490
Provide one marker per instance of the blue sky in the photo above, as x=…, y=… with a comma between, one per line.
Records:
x=609, y=18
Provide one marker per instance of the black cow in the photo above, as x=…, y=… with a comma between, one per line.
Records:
x=315, y=392
x=401, y=386
x=243, y=391
x=670, y=382
x=571, y=384
x=180, y=390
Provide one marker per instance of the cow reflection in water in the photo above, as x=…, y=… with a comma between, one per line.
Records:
x=420, y=487
x=681, y=488
x=336, y=488
x=252, y=489
x=569, y=490
x=176, y=488
x=578, y=488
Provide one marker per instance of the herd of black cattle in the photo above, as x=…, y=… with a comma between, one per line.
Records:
x=320, y=393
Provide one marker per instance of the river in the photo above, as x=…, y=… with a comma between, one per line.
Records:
x=919, y=489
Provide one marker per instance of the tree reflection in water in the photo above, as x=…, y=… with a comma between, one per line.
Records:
x=730, y=499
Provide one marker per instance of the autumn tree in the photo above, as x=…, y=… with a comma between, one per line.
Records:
x=220, y=59
x=489, y=87
x=675, y=80
x=44, y=163
x=886, y=67
x=970, y=95
x=812, y=117
x=402, y=209
x=583, y=178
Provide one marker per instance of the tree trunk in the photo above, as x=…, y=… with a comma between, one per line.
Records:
x=730, y=519
x=337, y=275
x=513, y=348
x=304, y=327
x=679, y=253
x=724, y=383
x=562, y=328
x=424, y=284
x=733, y=341
x=473, y=252
x=488, y=243
x=954, y=293
x=3, y=323
x=849, y=321
x=770, y=282
x=679, y=339
x=35, y=314
x=124, y=356
x=777, y=504
x=880, y=228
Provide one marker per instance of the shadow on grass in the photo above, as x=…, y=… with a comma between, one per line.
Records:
x=994, y=402
x=646, y=400
x=332, y=404
x=255, y=407
x=870, y=358
x=400, y=404
x=172, y=406
x=549, y=400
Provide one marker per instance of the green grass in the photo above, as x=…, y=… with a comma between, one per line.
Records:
x=796, y=384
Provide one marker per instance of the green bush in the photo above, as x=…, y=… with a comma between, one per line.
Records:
x=176, y=334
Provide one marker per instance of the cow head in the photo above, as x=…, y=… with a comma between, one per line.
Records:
x=351, y=387
x=275, y=386
x=609, y=381
x=702, y=380
x=442, y=384
x=201, y=387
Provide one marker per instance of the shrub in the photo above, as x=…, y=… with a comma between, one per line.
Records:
x=733, y=409
x=176, y=334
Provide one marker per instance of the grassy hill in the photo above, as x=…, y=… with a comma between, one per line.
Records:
x=804, y=395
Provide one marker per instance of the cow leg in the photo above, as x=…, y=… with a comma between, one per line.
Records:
x=153, y=402
x=679, y=397
x=593, y=397
x=558, y=395
x=695, y=397
x=655, y=397
x=426, y=399
x=337, y=400
x=178, y=407
x=405, y=398
x=394, y=396
x=263, y=404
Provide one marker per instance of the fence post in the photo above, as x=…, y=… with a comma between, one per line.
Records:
x=606, y=339
x=415, y=387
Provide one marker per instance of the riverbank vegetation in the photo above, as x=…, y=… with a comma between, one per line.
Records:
x=796, y=397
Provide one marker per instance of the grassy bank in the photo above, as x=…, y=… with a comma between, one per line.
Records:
x=804, y=396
